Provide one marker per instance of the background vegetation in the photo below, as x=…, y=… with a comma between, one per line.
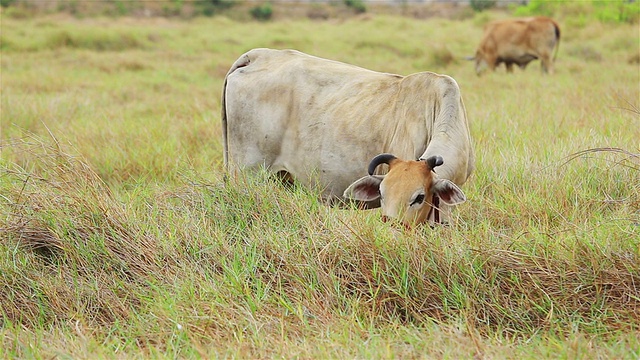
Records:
x=119, y=237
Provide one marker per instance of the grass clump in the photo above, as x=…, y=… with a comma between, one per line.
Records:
x=357, y=5
x=212, y=7
x=83, y=252
x=586, y=53
x=97, y=41
x=440, y=57
x=223, y=261
x=262, y=12
x=481, y=5
x=92, y=39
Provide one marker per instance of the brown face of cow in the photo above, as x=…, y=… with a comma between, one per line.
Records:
x=406, y=192
x=481, y=63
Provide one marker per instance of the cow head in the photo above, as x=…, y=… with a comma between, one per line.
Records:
x=407, y=191
x=481, y=62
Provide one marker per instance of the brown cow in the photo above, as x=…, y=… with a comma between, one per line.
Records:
x=518, y=41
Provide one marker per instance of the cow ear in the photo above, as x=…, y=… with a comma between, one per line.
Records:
x=364, y=189
x=448, y=192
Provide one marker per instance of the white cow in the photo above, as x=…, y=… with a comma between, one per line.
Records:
x=321, y=122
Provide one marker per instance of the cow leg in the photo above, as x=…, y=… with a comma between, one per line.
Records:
x=509, y=67
x=285, y=178
x=547, y=64
x=492, y=65
x=491, y=62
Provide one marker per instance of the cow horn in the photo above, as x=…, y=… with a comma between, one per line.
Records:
x=434, y=161
x=380, y=159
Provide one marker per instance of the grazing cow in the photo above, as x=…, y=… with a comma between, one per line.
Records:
x=518, y=41
x=320, y=122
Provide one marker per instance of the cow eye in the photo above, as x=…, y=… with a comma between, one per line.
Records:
x=418, y=200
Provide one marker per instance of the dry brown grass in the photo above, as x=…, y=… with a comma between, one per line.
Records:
x=93, y=257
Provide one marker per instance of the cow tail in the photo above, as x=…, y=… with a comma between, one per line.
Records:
x=557, y=28
x=242, y=61
x=225, y=138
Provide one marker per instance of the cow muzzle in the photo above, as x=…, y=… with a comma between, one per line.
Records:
x=434, y=211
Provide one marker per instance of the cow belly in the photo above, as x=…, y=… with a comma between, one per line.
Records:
x=275, y=144
x=525, y=59
x=331, y=184
x=325, y=167
x=250, y=147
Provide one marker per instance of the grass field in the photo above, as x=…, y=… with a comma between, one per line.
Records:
x=119, y=239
